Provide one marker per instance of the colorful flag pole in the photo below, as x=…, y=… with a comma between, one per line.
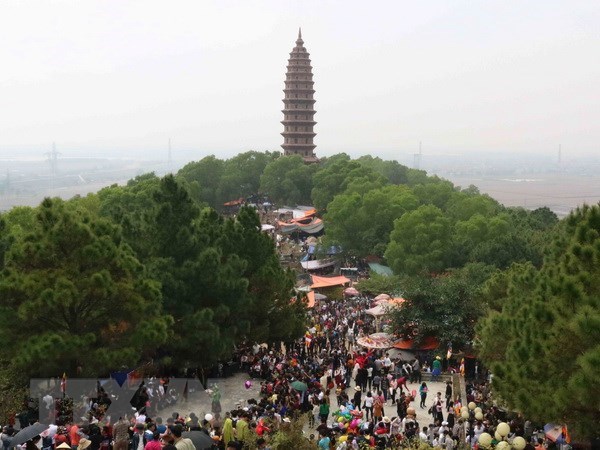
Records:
x=63, y=384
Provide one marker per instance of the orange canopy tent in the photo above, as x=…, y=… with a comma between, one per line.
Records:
x=321, y=282
x=429, y=343
x=239, y=201
x=311, y=299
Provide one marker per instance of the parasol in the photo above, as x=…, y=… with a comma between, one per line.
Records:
x=299, y=386
x=28, y=433
x=352, y=292
x=376, y=341
x=200, y=439
x=554, y=432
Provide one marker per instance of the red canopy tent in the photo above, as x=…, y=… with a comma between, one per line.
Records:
x=429, y=343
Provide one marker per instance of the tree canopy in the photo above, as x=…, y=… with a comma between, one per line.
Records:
x=420, y=241
x=74, y=295
x=288, y=180
x=362, y=224
x=541, y=337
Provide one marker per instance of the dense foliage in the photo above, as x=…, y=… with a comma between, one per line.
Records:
x=542, y=335
x=137, y=273
x=74, y=295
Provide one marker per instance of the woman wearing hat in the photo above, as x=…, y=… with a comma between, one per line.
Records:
x=84, y=443
x=357, y=397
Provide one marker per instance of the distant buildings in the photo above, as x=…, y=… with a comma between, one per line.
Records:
x=298, y=113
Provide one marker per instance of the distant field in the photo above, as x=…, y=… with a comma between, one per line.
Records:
x=559, y=192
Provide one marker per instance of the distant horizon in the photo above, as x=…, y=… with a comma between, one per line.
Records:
x=184, y=154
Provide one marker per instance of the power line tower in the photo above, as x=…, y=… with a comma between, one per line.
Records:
x=417, y=158
x=53, y=160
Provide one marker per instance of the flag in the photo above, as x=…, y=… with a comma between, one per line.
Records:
x=63, y=384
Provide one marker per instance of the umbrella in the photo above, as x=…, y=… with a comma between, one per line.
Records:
x=299, y=386
x=200, y=439
x=382, y=297
x=28, y=433
x=376, y=340
x=554, y=432
x=351, y=291
x=311, y=240
x=404, y=355
x=377, y=311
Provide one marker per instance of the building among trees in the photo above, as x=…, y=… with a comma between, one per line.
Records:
x=298, y=113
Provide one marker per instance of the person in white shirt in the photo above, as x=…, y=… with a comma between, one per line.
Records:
x=423, y=435
x=387, y=363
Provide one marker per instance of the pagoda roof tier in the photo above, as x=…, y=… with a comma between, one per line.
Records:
x=298, y=100
x=291, y=69
x=298, y=90
x=299, y=122
x=296, y=111
x=298, y=81
x=298, y=147
x=303, y=134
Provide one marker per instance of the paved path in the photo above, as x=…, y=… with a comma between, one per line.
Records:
x=233, y=392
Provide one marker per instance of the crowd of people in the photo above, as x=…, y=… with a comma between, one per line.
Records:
x=345, y=396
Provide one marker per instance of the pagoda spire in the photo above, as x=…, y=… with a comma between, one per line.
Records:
x=298, y=113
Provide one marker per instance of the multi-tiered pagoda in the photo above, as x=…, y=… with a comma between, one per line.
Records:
x=298, y=113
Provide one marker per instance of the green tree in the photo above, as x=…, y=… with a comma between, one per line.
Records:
x=420, y=241
x=270, y=287
x=243, y=173
x=381, y=284
x=14, y=224
x=488, y=240
x=542, y=339
x=330, y=180
x=205, y=177
x=393, y=171
x=361, y=224
x=288, y=180
x=437, y=194
x=73, y=295
x=128, y=206
x=445, y=307
x=463, y=205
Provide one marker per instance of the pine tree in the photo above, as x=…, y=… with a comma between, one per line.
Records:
x=543, y=341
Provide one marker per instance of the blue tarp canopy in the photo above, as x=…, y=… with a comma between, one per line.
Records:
x=380, y=269
x=333, y=250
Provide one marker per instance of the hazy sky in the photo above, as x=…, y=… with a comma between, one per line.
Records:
x=462, y=76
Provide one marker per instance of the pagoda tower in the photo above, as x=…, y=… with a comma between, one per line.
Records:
x=298, y=113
